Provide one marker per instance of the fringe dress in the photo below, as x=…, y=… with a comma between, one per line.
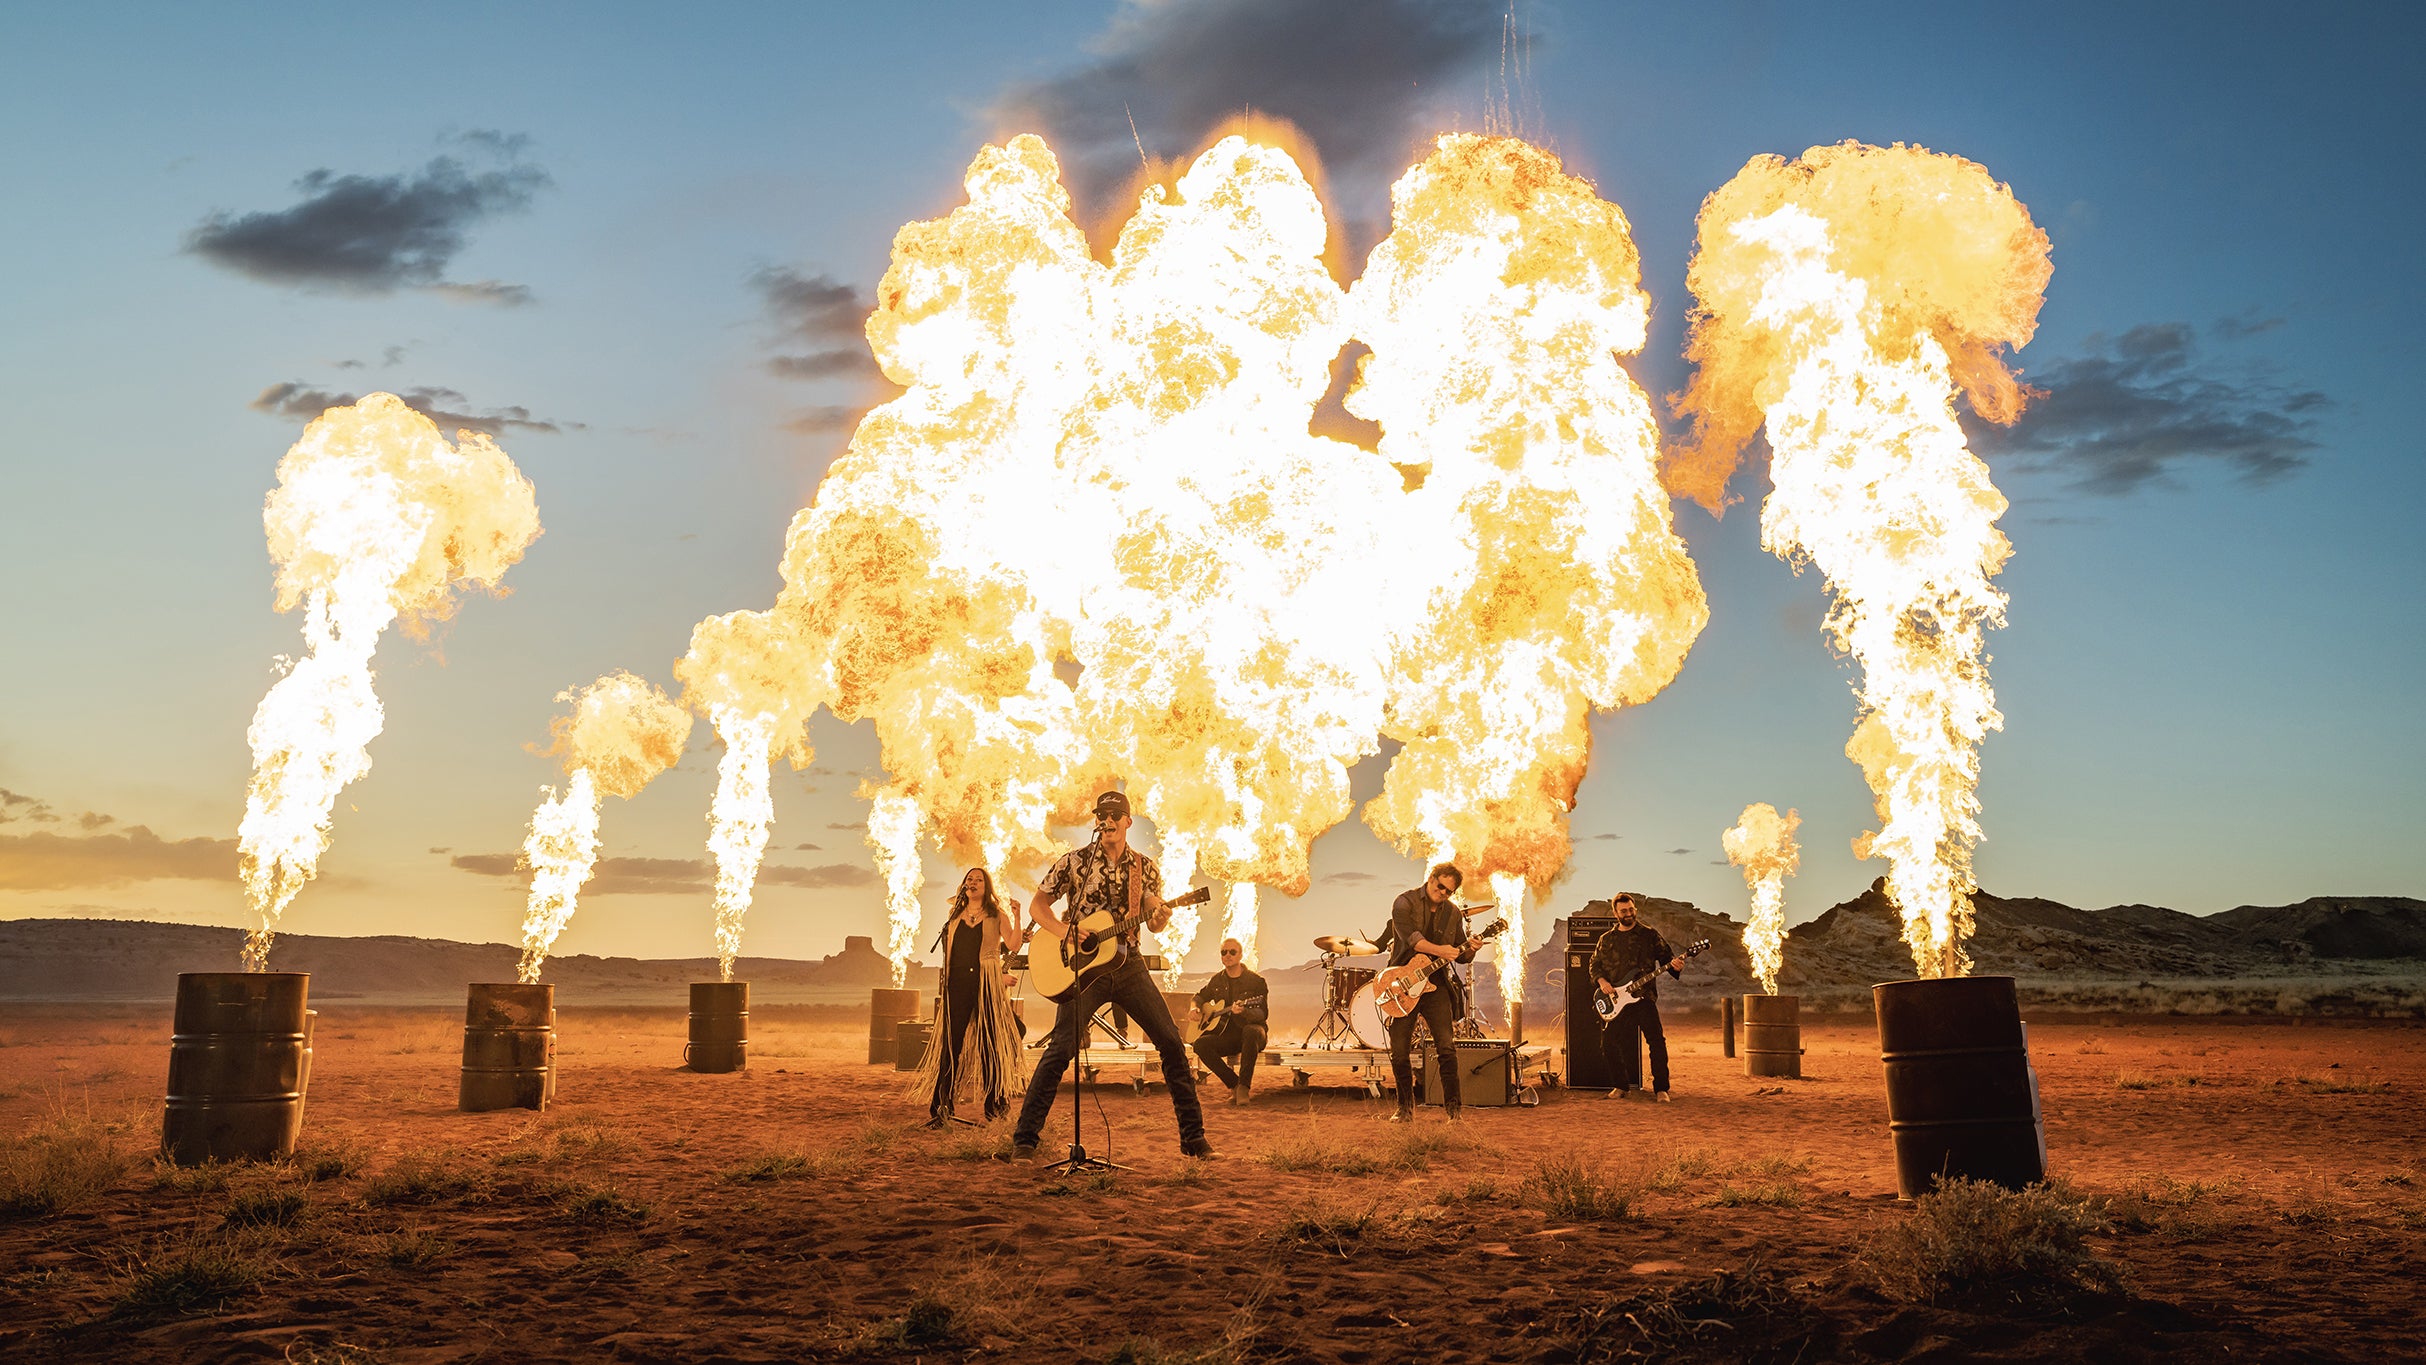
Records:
x=991, y=1059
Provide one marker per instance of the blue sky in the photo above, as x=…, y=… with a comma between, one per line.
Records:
x=2210, y=679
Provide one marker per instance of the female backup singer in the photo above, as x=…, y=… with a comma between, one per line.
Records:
x=973, y=1006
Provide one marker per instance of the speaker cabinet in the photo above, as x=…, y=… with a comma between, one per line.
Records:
x=1486, y=1074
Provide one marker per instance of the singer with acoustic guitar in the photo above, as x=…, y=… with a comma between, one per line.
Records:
x=1111, y=884
x=1629, y=951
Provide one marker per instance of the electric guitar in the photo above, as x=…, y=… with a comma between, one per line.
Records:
x=1059, y=969
x=1397, y=991
x=1606, y=1005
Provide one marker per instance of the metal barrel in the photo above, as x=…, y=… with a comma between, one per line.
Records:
x=910, y=1043
x=1962, y=1099
x=1773, y=1035
x=238, y=1061
x=720, y=1026
x=509, y=1047
x=888, y=1006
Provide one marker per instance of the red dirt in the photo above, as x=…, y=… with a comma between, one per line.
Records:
x=2275, y=1208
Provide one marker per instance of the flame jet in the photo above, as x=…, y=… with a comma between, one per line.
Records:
x=937, y=569
x=1544, y=575
x=743, y=672
x=1844, y=299
x=1762, y=844
x=376, y=518
x=1232, y=656
x=621, y=734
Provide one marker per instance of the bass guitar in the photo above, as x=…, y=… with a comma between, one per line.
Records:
x=1059, y=969
x=1396, y=992
x=1606, y=1005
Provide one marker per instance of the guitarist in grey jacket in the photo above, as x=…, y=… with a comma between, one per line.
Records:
x=1631, y=950
x=1111, y=877
x=1236, y=1007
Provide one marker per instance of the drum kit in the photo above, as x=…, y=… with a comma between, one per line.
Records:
x=1347, y=994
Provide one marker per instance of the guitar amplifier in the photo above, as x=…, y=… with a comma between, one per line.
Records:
x=1486, y=1073
x=1588, y=1067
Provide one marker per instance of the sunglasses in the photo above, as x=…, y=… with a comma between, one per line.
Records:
x=1229, y=952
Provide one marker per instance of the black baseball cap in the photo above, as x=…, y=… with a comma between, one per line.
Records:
x=1111, y=803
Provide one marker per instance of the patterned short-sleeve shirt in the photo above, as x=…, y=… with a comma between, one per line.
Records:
x=1093, y=881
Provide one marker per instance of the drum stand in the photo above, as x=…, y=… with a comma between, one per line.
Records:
x=1470, y=1024
x=1334, y=1022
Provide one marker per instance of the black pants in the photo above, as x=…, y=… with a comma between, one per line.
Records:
x=1236, y=1039
x=959, y=1014
x=1638, y=1020
x=1440, y=1017
x=1133, y=989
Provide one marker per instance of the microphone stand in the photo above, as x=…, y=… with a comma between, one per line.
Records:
x=1078, y=1160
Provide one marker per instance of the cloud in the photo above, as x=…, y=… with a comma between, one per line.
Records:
x=46, y=861
x=1353, y=75
x=2137, y=408
x=855, y=824
x=2244, y=324
x=824, y=317
x=1342, y=878
x=819, y=421
x=495, y=292
x=667, y=876
x=805, y=848
x=1680, y=850
x=1600, y=837
x=376, y=234
x=446, y=407
x=832, y=874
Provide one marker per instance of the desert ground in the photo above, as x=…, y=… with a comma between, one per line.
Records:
x=2223, y=1189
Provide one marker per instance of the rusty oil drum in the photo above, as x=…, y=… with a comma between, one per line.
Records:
x=1962, y=1099
x=910, y=1038
x=1773, y=1035
x=238, y=1062
x=720, y=1027
x=888, y=1006
x=509, y=1047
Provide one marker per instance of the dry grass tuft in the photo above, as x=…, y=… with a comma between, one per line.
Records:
x=1567, y=1187
x=769, y=1167
x=426, y=1178
x=1783, y=1194
x=192, y=1277
x=1316, y=1151
x=1338, y=1228
x=2139, y=1080
x=414, y=1249
x=2329, y=1083
x=597, y=1206
x=1701, y=1320
x=270, y=1208
x=1965, y=1232
x=62, y=1163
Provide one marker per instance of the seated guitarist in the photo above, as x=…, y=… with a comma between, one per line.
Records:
x=1236, y=1007
x=1624, y=953
x=1426, y=920
x=1109, y=876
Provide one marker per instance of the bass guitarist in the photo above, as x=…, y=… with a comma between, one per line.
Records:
x=1111, y=877
x=1427, y=920
x=1631, y=950
x=1236, y=1007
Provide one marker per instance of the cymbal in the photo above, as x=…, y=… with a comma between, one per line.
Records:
x=1346, y=945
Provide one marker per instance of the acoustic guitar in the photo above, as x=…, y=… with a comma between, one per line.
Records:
x=1399, y=988
x=1059, y=969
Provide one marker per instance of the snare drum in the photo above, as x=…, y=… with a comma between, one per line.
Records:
x=1345, y=982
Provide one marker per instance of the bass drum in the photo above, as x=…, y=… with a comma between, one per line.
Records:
x=1365, y=1016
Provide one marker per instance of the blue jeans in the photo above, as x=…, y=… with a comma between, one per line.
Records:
x=1132, y=988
